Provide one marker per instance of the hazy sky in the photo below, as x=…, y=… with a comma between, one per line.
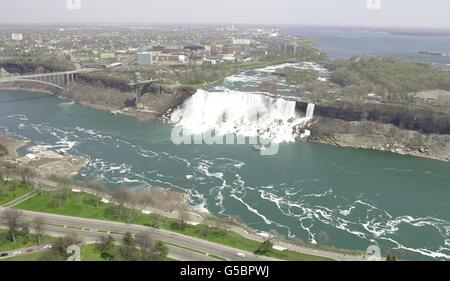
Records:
x=406, y=13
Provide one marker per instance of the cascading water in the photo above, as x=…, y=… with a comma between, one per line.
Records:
x=310, y=111
x=240, y=113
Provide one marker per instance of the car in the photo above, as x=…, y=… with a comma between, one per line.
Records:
x=30, y=250
x=47, y=246
x=4, y=254
x=241, y=255
x=17, y=253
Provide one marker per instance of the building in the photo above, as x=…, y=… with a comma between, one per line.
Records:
x=144, y=58
x=241, y=41
x=209, y=62
x=258, y=53
x=289, y=48
x=16, y=36
x=228, y=49
x=213, y=49
x=107, y=56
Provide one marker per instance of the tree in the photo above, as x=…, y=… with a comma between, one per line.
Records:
x=160, y=251
x=12, y=218
x=183, y=216
x=60, y=246
x=121, y=197
x=58, y=197
x=145, y=243
x=128, y=250
x=26, y=174
x=24, y=230
x=264, y=248
x=128, y=239
x=38, y=227
x=106, y=246
x=391, y=258
x=3, y=189
x=99, y=189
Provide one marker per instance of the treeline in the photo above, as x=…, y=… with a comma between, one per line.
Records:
x=392, y=79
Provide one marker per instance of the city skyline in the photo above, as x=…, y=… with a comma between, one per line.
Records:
x=282, y=12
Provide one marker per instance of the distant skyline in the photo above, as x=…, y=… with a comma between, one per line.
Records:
x=393, y=13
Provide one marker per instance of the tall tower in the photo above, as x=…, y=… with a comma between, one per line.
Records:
x=138, y=88
x=138, y=85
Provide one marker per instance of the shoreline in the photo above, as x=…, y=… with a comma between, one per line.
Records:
x=380, y=137
x=338, y=139
x=195, y=216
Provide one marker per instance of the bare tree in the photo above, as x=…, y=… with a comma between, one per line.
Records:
x=145, y=243
x=121, y=197
x=26, y=174
x=106, y=246
x=58, y=197
x=183, y=216
x=38, y=227
x=99, y=190
x=12, y=218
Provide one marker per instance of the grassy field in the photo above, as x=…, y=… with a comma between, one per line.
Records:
x=30, y=257
x=7, y=245
x=13, y=192
x=82, y=205
x=88, y=253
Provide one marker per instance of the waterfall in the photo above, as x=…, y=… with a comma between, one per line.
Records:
x=240, y=113
x=310, y=111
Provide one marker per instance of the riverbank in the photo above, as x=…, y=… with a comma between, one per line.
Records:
x=39, y=161
x=381, y=137
x=197, y=221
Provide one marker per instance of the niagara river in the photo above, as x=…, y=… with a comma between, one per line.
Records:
x=356, y=197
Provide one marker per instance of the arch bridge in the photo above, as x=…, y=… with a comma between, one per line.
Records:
x=58, y=80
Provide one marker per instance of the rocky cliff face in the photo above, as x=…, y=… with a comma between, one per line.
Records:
x=28, y=68
x=404, y=117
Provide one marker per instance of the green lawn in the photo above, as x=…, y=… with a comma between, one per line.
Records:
x=90, y=253
x=7, y=245
x=29, y=257
x=82, y=205
x=13, y=192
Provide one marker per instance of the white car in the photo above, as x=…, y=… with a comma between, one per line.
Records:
x=47, y=246
x=17, y=253
x=241, y=255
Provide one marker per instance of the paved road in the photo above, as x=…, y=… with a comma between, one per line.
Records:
x=24, y=251
x=196, y=218
x=89, y=226
x=91, y=237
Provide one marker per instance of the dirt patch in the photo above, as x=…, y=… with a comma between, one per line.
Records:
x=11, y=146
